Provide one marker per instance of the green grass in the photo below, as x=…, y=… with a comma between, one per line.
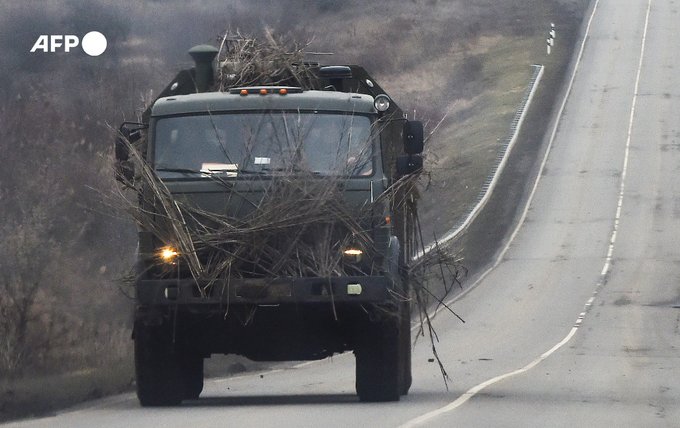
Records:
x=464, y=149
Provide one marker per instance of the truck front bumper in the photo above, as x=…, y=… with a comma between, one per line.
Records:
x=348, y=289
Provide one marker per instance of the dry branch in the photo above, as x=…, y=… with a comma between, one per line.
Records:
x=246, y=61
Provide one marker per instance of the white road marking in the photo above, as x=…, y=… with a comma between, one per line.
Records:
x=607, y=264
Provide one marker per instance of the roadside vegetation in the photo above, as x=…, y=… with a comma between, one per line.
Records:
x=64, y=314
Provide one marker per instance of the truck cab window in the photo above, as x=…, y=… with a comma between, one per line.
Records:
x=267, y=142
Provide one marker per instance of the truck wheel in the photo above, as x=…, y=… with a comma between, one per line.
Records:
x=405, y=352
x=378, y=362
x=192, y=375
x=157, y=367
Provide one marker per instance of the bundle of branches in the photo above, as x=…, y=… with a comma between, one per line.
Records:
x=296, y=227
x=276, y=60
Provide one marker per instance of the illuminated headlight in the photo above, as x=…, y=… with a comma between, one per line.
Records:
x=167, y=254
x=353, y=254
x=381, y=102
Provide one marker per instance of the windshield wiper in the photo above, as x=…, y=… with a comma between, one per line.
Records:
x=179, y=170
x=251, y=171
x=294, y=170
x=211, y=172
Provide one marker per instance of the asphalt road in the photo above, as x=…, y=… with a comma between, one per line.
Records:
x=579, y=322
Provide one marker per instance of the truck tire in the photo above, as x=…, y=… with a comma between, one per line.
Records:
x=406, y=378
x=192, y=376
x=379, y=362
x=405, y=351
x=157, y=367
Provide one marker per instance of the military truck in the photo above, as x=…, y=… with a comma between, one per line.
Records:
x=224, y=154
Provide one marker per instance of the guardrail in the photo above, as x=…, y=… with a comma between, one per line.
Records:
x=501, y=160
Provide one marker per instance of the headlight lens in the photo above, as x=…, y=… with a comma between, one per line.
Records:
x=167, y=254
x=353, y=254
x=381, y=102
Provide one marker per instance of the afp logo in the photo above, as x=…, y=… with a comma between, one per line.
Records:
x=93, y=43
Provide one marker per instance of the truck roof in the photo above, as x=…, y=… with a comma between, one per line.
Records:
x=224, y=101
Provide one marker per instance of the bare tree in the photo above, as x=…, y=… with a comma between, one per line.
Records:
x=25, y=258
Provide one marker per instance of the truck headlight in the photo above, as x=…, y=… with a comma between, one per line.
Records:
x=167, y=254
x=353, y=254
x=381, y=102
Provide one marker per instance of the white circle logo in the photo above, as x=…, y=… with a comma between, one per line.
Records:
x=94, y=43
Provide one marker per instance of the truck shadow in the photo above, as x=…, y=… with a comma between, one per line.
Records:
x=272, y=400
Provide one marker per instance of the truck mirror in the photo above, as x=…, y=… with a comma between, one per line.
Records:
x=122, y=150
x=413, y=137
x=409, y=164
x=125, y=172
x=128, y=133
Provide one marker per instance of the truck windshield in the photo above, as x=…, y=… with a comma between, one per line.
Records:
x=264, y=143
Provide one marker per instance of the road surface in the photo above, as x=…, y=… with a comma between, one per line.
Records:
x=578, y=324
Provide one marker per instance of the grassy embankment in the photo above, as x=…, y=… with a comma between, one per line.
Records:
x=465, y=147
